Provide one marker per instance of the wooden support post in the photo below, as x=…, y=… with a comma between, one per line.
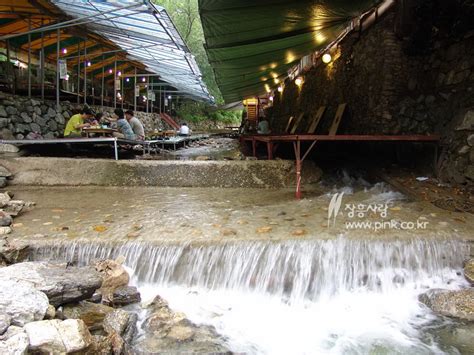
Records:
x=297, y=149
x=270, y=150
x=254, y=147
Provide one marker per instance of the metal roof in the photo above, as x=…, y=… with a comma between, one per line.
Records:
x=146, y=32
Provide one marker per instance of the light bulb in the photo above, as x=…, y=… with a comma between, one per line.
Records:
x=327, y=58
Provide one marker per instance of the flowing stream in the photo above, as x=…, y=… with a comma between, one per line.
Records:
x=333, y=296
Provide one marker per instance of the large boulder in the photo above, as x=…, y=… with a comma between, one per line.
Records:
x=57, y=337
x=469, y=271
x=59, y=281
x=22, y=301
x=116, y=322
x=165, y=331
x=92, y=314
x=113, y=275
x=14, y=341
x=457, y=304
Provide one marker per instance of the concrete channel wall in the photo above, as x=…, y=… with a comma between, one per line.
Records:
x=101, y=172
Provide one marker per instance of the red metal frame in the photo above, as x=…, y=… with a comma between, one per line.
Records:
x=314, y=138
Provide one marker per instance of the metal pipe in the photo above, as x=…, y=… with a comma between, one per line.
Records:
x=29, y=58
x=58, y=43
x=75, y=21
x=102, y=89
x=78, y=71
x=122, y=90
x=42, y=63
x=134, y=92
x=85, y=71
x=115, y=86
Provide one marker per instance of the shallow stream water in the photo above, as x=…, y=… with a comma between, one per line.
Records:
x=273, y=275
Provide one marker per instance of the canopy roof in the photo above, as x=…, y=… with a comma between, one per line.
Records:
x=251, y=43
x=144, y=33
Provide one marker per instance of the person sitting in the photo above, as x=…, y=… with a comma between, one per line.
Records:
x=184, y=130
x=123, y=127
x=263, y=126
x=77, y=122
x=136, y=125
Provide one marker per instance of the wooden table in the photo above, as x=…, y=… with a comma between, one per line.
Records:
x=104, y=132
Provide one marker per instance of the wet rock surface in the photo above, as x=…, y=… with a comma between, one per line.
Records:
x=168, y=331
x=125, y=295
x=113, y=276
x=457, y=304
x=92, y=314
x=59, y=281
x=12, y=252
x=469, y=271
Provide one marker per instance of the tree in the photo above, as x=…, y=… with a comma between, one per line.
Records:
x=185, y=15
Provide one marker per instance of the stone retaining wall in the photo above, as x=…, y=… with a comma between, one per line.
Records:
x=82, y=172
x=396, y=85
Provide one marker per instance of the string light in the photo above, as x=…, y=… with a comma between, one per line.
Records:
x=64, y=50
x=119, y=73
x=127, y=80
x=327, y=58
x=169, y=97
x=89, y=64
x=110, y=71
x=299, y=81
x=143, y=79
x=280, y=88
x=271, y=98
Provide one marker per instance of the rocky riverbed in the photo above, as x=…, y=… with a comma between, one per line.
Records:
x=58, y=308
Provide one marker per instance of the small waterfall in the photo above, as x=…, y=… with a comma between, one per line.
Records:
x=294, y=270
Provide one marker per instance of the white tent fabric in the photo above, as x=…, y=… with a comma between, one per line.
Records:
x=146, y=32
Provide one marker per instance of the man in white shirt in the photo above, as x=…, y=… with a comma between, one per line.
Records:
x=136, y=125
x=184, y=130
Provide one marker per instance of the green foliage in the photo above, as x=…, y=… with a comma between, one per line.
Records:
x=198, y=111
x=185, y=15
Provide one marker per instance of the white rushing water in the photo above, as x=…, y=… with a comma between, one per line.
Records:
x=335, y=296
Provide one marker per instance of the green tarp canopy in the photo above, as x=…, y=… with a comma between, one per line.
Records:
x=251, y=42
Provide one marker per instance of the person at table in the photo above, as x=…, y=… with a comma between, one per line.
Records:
x=263, y=126
x=136, y=125
x=77, y=122
x=123, y=127
x=184, y=130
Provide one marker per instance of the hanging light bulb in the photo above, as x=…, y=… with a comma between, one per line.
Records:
x=119, y=73
x=169, y=97
x=143, y=79
x=280, y=88
x=299, y=81
x=110, y=71
x=64, y=50
x=89, y=64
x=271, y=98
x=327, y=58
x=127, y=80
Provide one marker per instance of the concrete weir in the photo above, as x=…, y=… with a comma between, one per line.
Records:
x=83, y=172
